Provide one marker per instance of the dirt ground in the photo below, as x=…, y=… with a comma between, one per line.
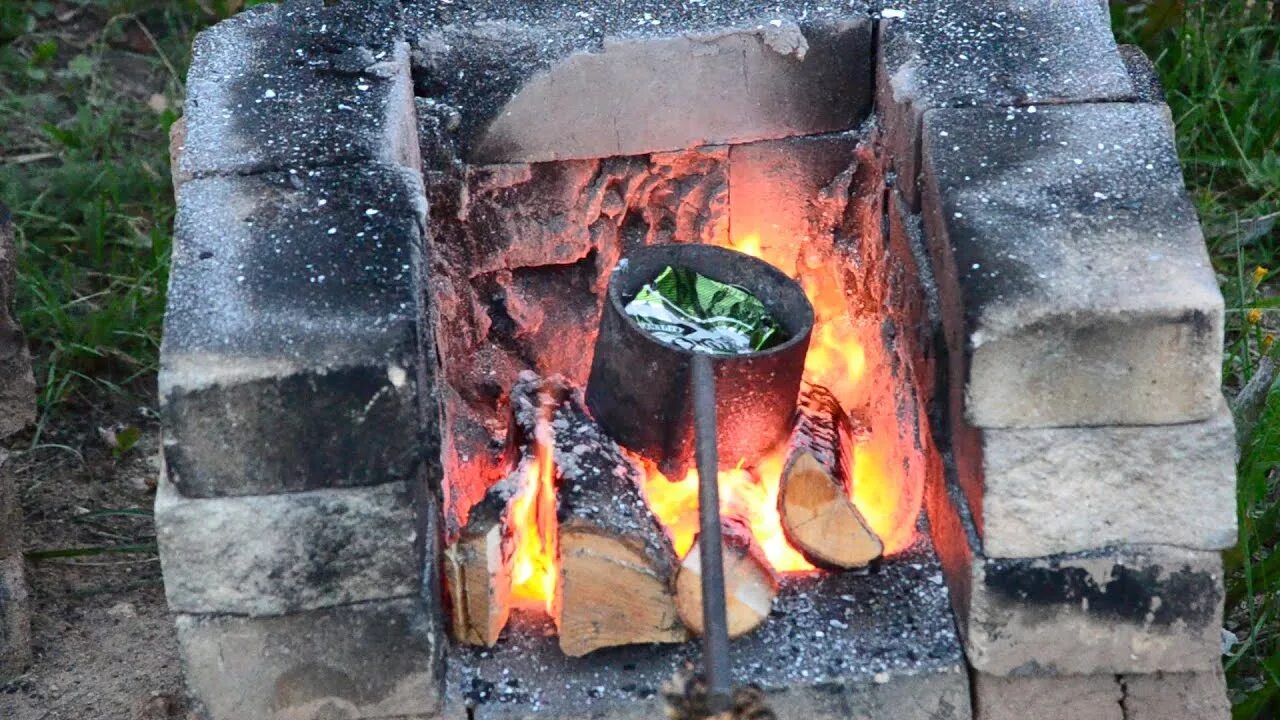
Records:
x=103, y=639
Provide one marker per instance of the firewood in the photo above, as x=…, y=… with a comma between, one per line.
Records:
x=616, y=560
x=750, y=583
x=477, y=567
x=814, y=498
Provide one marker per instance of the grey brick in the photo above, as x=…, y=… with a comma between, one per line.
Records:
x=989, y=53
x=290, y=356
x=15, y=618
x=1059, y=490
x=274, y=554
x=574, y=80
x=1176, y=696
x=299, y=85
x=1074, y=280
x=1131, y=609
x=369, y=660
x=1087, y=697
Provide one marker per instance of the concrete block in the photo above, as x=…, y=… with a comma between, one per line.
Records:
x=368, y=660
x=15, y=618
x=275, y=554
x=17, y=384
x=1075, y=284
x=290, y=351
x=1091, y=697
x=988, y=53
x=1131, y=609
x=1061, y=490
x=555, y=81
x=299, y=85
x=1176, y=696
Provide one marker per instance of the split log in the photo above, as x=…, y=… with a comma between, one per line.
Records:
x=750, y=583
x=616, y=560
x=814, y=497
x=477, y=567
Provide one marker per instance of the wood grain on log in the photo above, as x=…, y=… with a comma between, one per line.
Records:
x=750, y=583
x=815, y=493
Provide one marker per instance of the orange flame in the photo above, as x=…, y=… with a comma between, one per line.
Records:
x=836, y=360
x=533, y=515
x=750, y=494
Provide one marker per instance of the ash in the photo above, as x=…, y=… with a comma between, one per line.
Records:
x=828, y=632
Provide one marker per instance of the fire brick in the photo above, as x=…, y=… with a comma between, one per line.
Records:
x=272, y=554
x=298, y=85
x=1128, y=609
x=1094, y=697
x=367, y=660
x=1176, y=696
x=1075, y=284
x=290, y=351
x=1153, y=484
x=988, y=53
x=1158, y=696
x=571, y=80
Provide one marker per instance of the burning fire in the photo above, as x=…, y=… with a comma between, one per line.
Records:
x=836, y=360
x=533, y=515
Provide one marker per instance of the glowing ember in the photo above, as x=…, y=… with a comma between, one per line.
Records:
x=533, y=515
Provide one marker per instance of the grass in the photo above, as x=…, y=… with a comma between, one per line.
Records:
x=87, y=94
x=88, y=90
x=1220, y=66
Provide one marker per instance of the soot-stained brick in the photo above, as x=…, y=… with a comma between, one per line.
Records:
x=299, y=85
x=1114, y=610
x=1152, y=593
x=290, y=357
x=1075, y=284
x=988, y=53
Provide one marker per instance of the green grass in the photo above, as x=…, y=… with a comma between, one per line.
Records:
x=84, y=170
x=1219, y=64
x=84, y=167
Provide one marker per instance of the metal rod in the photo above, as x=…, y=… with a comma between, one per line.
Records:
x=715, y=636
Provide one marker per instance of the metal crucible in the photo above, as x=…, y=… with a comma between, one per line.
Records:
x=638, y=389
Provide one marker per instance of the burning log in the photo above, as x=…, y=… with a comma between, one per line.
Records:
x=478, y=566
x=818, y=514
x=750, y=584
x=616, y=561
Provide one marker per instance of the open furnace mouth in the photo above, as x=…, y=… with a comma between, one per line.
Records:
x=385, y=494
x=526, y=461
x=550, y=517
